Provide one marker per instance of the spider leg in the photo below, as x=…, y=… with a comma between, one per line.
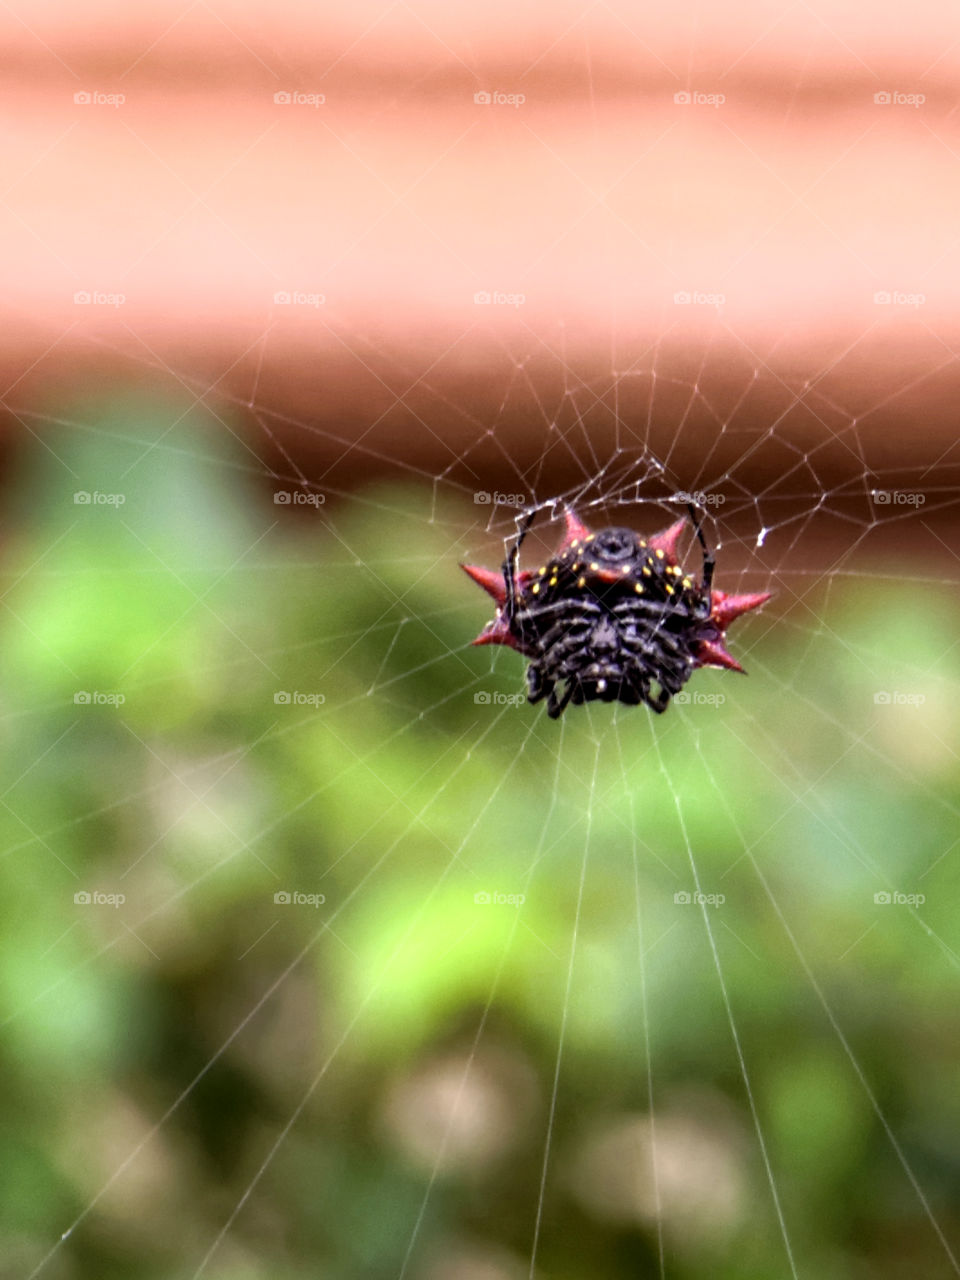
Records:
x=556, y=706
x=659, y=703
x=511, y=564
x=537, y=687
x=709, y=559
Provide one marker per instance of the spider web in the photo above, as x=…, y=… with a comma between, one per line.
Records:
x=632, y=826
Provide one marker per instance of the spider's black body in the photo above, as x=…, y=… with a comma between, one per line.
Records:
x=611, y=617
x=606, y=619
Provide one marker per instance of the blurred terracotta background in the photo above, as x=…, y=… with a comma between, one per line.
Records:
x=173, y=174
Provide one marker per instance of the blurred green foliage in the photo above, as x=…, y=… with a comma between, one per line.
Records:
x=154, y=1051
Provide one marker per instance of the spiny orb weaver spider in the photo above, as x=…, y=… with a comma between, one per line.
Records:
x=610, y=616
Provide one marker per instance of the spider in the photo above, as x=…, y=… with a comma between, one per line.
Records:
x=612, y=616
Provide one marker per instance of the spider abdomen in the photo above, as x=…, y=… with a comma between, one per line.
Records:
x=612, y=617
